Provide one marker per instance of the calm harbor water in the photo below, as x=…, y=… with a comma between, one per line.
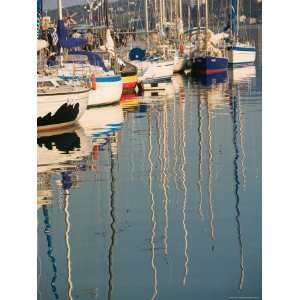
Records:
x=156, y=198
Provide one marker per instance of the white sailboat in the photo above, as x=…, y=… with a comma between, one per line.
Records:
x=60, y=103
x=106, y=86
x=154, y=71
x=238, y=53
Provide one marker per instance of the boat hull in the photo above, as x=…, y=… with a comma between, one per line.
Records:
x=61, y=110
x=149, y=70
x=156, y=84
x=241, y=55
x=209, y=65
x=179, y=64
x=129, y=82
x=108, y=91
x=129, y=101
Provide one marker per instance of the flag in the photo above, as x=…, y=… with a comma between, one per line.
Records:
x=54, y=37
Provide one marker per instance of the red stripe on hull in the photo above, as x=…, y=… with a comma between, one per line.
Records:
x=129, y=85
x=211, y=71
x=128, y=97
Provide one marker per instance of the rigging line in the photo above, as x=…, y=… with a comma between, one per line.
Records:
x=152, y=208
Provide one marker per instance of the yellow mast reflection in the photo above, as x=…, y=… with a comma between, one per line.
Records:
x=175, y=145
x=186, y=263
x=199, y=111
x=152, y=208
x=68, y=245
x=164, y=177
x=210, y=169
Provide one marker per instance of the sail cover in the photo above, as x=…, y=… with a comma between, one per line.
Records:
x=137, y=54
x=65, y=41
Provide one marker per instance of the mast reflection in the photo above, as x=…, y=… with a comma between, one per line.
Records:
x=112, y=215
x=186, y=255
x=67, y=184
x=152, y=208
x=233, y=105
x=50, y=254
x=210, y=173
x=200, y=121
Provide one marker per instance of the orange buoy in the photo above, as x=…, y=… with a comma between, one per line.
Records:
x=93, y=79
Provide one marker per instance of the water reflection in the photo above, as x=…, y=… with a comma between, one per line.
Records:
x=173, y=174
x=152, y=208
x=112, y=224
x=47, y=232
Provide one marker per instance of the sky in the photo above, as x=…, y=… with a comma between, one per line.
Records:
x=50, y=4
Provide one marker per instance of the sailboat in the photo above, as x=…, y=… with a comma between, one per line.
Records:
x=210, y=60
x=238, y=53
x=155, y=71
x=179, y=55
x=106, y=86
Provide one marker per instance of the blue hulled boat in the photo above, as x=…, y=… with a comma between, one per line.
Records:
x=208, y=62
x=206, y=65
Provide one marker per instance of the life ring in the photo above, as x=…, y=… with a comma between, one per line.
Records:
x=93, y=80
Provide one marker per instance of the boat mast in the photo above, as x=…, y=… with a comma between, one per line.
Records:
x=106, y=13
x=176, y=17
x=180, y=9
x=163, y=11
x=198, y=14
x=60, y=17
x=161, y=16
x=237, y=18
x=206, y=26
x=171, y=11
x=59, y=10
x=146, y=23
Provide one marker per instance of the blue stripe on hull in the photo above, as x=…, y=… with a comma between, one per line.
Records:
x=245, y=49
x=114, y=78
x=108, y=78
x=251, y=62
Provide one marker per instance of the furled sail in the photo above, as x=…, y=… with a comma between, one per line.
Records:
x=65, y=41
